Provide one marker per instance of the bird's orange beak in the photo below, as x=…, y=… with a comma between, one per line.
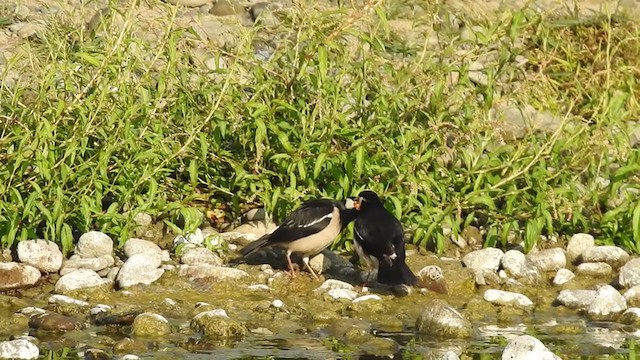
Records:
x=356, y=204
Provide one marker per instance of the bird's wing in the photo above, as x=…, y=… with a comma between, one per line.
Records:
x=308, y=219
x=377, y=231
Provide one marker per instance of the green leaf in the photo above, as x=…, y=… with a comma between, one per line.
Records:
x=322, y=62
x=636, y=225
x=92, y=60
x=318, y=166
x=359, y=166
x=481, y=199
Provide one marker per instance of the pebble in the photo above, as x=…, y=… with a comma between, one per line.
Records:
x=576, y=299
x=209, y=271
x=96, y=263
x=366, y=298
x=277, y=304
x=320, y=263
x=333, y=284
x=594, y=269
x=31, y=311
x=140, y=246
x=563, y=276
x=612, y=255
x=66, y=300
x=150, y=325
x=485, y=259
x=80, y=279
x=19, y=349
x=518, y=266
x=630, y=273
x=14, y=275
x=44, y=255
x=53, y=322
x=607, y=304
x=439, y=319
x=260, y=287
x=100, y=308
x=338, y=294
x=94, y=244
x=631, y=316
x=140, y=268
x=526, y=347
x=578, y=244
x=633, y=296
x=506, y=298
x=549, y=259
x=433, y=279
x=200, y=255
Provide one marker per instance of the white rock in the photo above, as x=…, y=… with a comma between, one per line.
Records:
x=562, y=277
x=549, y=259
x=631, y=316
x=333, y=284
x=500, y=297
x=607, y=304
x=19, y=349
x=630, y=273
x=485, y=259
x=518, y=266
x=140, y=246
x=342, y=294
x=140, y=269
x=200, y=255
x=366, y=298
x=578, y=244
x=594, y=269
x=526, y=347
x=209, y=271
x=320, y=263
x=277, y=304
x=80, y=279
x=14, y=275
x=261, y=287
x=94, y=244
x=611, y=255
x=66, y=300
x=633, y=296
x=30, y=311
x=44, y=255
x=100, y=308
x=212, y=313
x=576, y=299
x=129, y=357
x=94, y=263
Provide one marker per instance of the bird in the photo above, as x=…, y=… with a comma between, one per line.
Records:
x=307, y=230
x=379, y=242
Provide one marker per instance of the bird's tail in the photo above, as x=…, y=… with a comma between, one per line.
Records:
x=397, y=274
x=250, y=248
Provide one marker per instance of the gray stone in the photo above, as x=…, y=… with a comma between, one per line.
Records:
x=66, y=300
x=526, y=347
x=217, y=325
x=432, y=278
x=517, y=120
x=44, y=255
x=94, y=244
x=338, y=294
x=607, y=304
x=26, y=29
x=576, y=299
x=53, y=322
x=249, y=231
x=477, y=73
x=369, y=297
x=150, y=325
x=519, y=267
x=562, y=277
x=80, y=279
x=633, y=296
x=200, y=255
x=142, y=219
x=485, y=259
x=226, y=8
x=630, y=273
x=634, y=138
x=332, y=284
x=611, y=255
x=140, y=246
x=578, y=244
x=140, y=268
x=594, y=269
x=549, y=259
x=487, y=277
x=94, y=263
x=320, y=263
x=16, y=276
x=19, y=349
x=438, y=318
x=210, y=271
x=506, y=298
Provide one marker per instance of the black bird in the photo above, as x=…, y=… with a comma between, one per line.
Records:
x=379, y=242
x=308, y=230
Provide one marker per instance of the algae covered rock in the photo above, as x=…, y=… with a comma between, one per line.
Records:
x=216, y=324
x=440, y=319
x=150, y=325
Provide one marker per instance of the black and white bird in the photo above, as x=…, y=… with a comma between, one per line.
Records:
x=379, y=242
x=308, y=230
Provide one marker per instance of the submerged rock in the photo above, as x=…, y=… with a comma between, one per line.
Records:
x=95, y=354
x=594, y=269
x=14, y=275
x=94, y=244
x=485, y=259
x=578, y=244
x=53, y=322
x=80, y=279
x=576, y=299
x=562, y=277
x=507, y=298
x=214, y=325
x=44, y=255
x=150, y=325
x=549, y=259
x=607, y=304
x=19, y=349
x=526, y=347
x=611, y=255
x=630, y=273
x=631, y=316
x=440, y=319
x=210, y=271
x=140, y=269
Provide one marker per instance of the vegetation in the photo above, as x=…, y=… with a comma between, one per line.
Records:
x=100, y=125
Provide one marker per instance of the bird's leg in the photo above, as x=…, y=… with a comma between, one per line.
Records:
x=305, y=260
x=292, y=273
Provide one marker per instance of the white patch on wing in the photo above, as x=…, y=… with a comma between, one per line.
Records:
x=358, y=234
x=328, y=216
